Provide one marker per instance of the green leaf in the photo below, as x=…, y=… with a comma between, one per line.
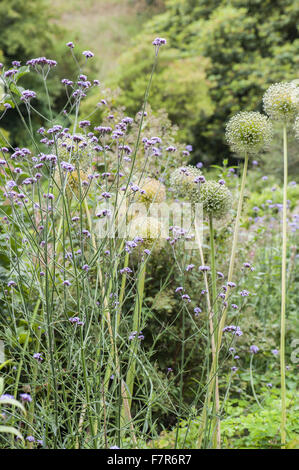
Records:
x=21, y=72
x=15, y=89
x=4, y=364
x=1, y=385
x=13, y=402
x=11, y=430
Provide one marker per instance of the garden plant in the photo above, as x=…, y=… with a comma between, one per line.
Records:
x=145, y=298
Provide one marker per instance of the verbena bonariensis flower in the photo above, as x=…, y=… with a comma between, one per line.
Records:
x=27, y=95
x=254, y=349
x=281, y=101
x=185, y=182
x=26, y=397
x=88, y=54
x=159, y=42
x=248, y=132
x=215, y=198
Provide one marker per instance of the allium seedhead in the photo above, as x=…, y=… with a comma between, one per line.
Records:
x=215, y=198
x=281, y=101
x=76, y=178
x=154, y=191
x=184, y=182
x=248, y=132
x=150, y=230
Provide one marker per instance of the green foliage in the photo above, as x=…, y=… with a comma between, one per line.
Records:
x=245, y=427
x=265, y=197
x=180, y=86
x=240, y=48
x=27, y=30
x=259, y=428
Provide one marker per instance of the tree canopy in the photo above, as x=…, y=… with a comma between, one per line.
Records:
x=219, y=59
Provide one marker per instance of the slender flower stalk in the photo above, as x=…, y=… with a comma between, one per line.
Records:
x=251, y=376
x=206, y=406
x=136, y=332
x=234, y=248
x=216, y=201
x=283, y=290
x=281, y=103
x=217, y=436
x=213, y=377
x=246, y=133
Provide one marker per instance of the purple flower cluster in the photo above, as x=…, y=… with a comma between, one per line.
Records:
x=190, y=267
x=159, y=42
x=178, y=233
x=27, y=95
x=199, y=179
x=38, y=357
x=134, y=334
x=88, y=54
x=204, y=268
x=244, y=293
x=103, y=129
x=104, y=213
x=125, y=271
x=233, y=329
x=76, y=321
x=67, y=166
x=197, y=311
x=26, y=397
x=40, y=62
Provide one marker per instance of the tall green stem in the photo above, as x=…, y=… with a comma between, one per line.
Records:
x=234, y=248
x=252, y=382
x=213, y=265
x=283, y=291
x=216, y=420
x=136, y=327
x=204, y=415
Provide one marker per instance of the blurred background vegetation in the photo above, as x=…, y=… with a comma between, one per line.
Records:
x=220, y=57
